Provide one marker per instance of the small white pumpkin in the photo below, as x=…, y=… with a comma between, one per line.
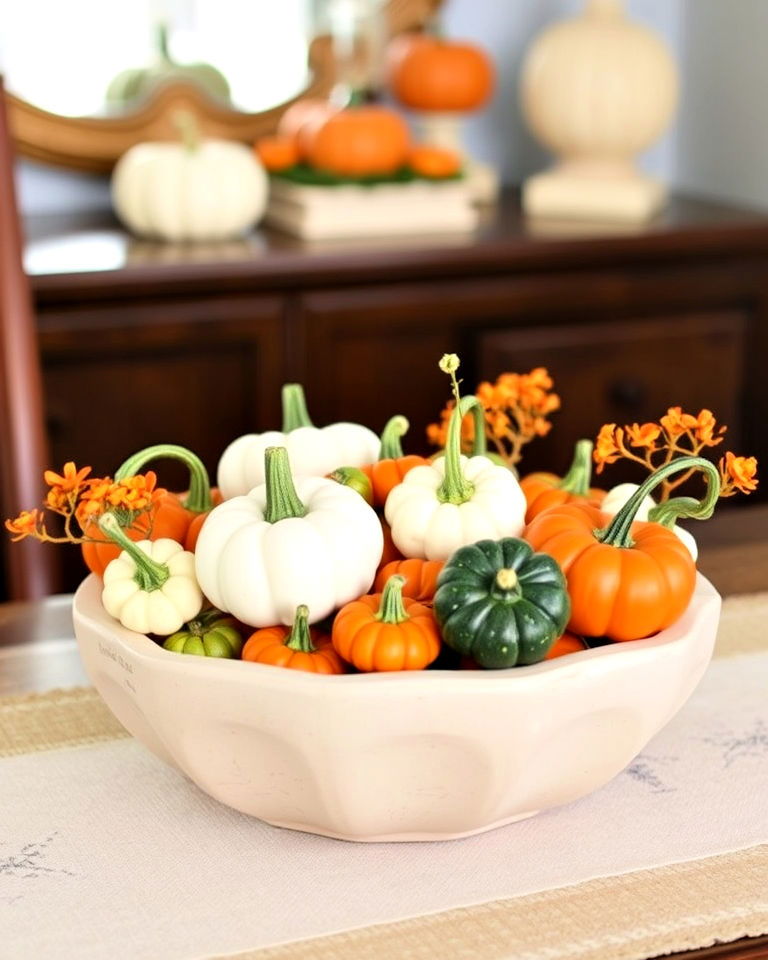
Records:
x=616, y=498
x=312, y=451
x=198, y=190
x=313, y=542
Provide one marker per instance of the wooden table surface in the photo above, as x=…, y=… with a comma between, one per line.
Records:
x=38, y=651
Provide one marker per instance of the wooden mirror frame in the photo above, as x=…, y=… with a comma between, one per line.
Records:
x=94, y=144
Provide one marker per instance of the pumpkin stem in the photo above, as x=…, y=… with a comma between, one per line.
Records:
x=395, y=428
x=282, y=500
x=617, y=533
x=579, y=474
x=294, y=407
x=198, y=500
x=507, y=579
x=300, y=638
x=355, y=478
x=391, y=608
x=455, y=487
x=187, y=125
x=150, y=575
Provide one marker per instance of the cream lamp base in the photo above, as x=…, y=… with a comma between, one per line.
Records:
x=625, y=196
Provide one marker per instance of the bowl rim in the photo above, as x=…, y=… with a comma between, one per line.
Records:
x=88, y=610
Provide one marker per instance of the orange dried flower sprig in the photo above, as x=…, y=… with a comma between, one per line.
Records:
x=677, y=433
x=75, y=495
x=517, y=409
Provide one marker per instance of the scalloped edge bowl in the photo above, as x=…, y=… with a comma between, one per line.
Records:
x=428, y=755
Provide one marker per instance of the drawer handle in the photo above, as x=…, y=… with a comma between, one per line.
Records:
x=627, y=393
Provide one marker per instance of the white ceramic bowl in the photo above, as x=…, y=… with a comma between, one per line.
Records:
x=429, y=755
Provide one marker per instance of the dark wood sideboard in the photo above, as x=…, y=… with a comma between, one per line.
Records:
x=144, y=342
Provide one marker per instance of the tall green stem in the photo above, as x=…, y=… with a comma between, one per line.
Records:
x=579, y=475
x=295, y=412
x=617, y=533
x=300, y=638
x=395, y=428
x=282, y=500
x=391, y=608
x=198, y=500
x=479, y=442
x=455, y=487
x=150, y=575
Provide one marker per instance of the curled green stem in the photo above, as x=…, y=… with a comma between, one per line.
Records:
x=282, y=500
x=617, y=533
x=391, y=608
x=300, y=637
x=579, y=475
x=394, y=429
x=295, y=412
x=198, y=500
x=150, y=575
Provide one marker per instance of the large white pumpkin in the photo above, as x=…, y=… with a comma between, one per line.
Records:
x=209, y=190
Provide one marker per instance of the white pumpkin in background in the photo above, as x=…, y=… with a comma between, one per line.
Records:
x=196, y=189
x=618, y=496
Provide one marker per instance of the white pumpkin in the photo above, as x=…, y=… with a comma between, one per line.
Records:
x=197, y=190
x=620, y=494
x=313, y=542
x=312, y=451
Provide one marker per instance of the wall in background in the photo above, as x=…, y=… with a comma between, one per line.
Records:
x=724, y=72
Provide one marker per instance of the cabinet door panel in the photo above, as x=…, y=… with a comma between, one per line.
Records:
x=117, y=382
x=625, y=372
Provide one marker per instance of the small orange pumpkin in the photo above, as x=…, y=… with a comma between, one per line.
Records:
x=420, y=577
x=432, y=74
x=167, y=518
x=545, y=490
x=393, y=464
x=434, y=162
x=298, y=647
x=386, y=631
x=390, y=551
x=361, y=141
x=277, y=153
x=190, y=541
x=568, y=643
x=626, y=580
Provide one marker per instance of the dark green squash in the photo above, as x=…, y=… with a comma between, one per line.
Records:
x=212, y=634
x=500, y=603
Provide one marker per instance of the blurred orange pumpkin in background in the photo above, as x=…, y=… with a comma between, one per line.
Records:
x=444, y=76
x=277, y=153
x=435, y=162
x=361, y=141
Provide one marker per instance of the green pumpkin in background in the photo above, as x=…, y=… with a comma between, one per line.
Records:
x=212, y=634
x=135, y=85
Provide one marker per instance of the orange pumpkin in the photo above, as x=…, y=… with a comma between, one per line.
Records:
x=568, y=643
x=446, y=76
x=390, y=551
x=170, y=516
x=420, y=577
x=302, y=119
x=544, y=490
x=386, y=631
x=392, y=464
x=361, y=141
x=277, y=153
x=190, y=541
x=167, y=518
x=626, y=580
x=434, y=162
x=298, y=647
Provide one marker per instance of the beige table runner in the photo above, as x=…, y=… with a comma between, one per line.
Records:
x=636, y=914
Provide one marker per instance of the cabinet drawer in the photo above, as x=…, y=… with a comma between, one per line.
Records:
x=625, y=372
